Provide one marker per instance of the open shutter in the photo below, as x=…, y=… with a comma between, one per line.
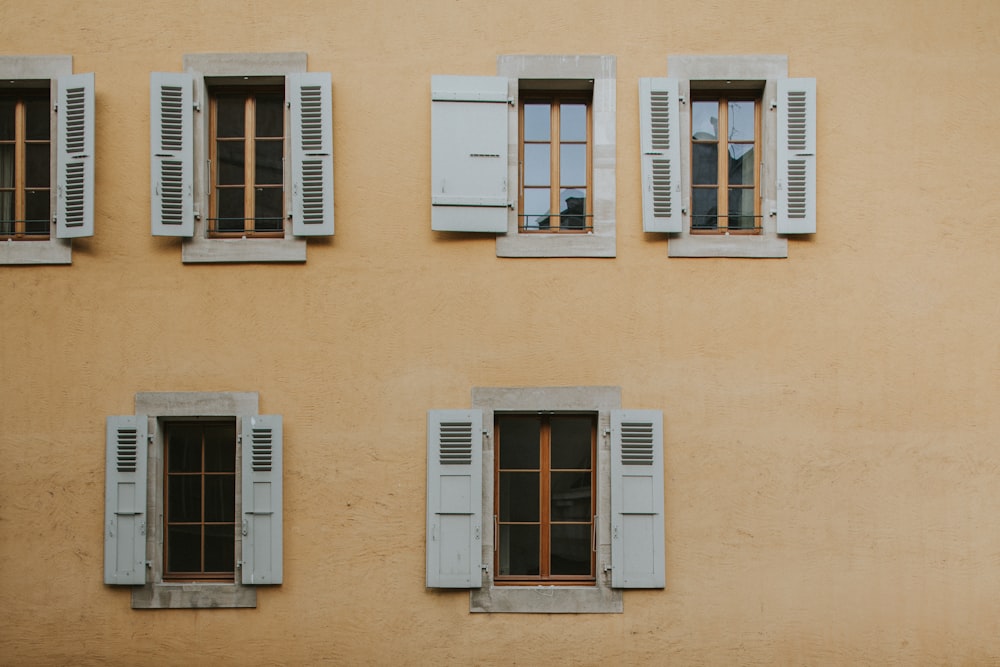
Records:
x=125, y=501
x=261, y=499
x=311, y=107
x=796, y=156
x=469, y=154
x=75, y=158
x=454, y=498
x=171, y=133
x=659, y=126
x=637, y=541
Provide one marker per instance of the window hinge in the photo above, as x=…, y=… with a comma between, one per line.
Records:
x=607, y=430
x=774, y=212
x=239, y=564
x=774, y=105
x=682, y=99
x=149, y=565
x=196, y=105
x=510, y=101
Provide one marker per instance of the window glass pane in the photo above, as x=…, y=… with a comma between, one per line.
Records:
x=7, y=119
x=518, y=497
x=220, y=497
x=267, y=163
x=573, y=207
x=230, y=116
x=6, y=212
x=230, y=156
x=220, y=448
x=572, y=164
x=519, y=550
x=230, y=210
x=537, y=122
x=741, y=164
x=267, y=209
x=6, y=165
x=705, y=164
x=536, y=208
x=36, y=172
x=741, y=121
x=537, y=164
x=36, y=211
x=570, y=496
x=573, y=122
x=705, y=208
x=741, y=208
x=705, y=120
x=184, y=548
x=219, y=548
x=269, y=114
x=184, y=453
x=571, y=438
x=37, y=123
x=571, y=549
x=184, y=498
x=519, y=437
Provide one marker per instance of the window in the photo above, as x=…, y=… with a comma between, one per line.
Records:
x=528, y=155
x=741, y=191
x=544, y=500
x=555, y=158
x=46, y=159
x=572, y=513
x=193, y=500
x=242, y=157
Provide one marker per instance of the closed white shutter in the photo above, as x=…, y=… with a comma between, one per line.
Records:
x=171, y=130
x=311, y=109
x=261, y=498
x=637, y=533
x=796, y=156
x=469, y=154
x=659, y=132
x=75, y=157
x=125, y=501
x=454, y=498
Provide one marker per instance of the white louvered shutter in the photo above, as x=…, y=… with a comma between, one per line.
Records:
x=75, y=157
x=659, y=126
x=125, y=501
x=637, y=533
x=171, y=133
x=454, y=498
x=469, y=154
x=261, y=497
x=796, y=156
x=311, y=110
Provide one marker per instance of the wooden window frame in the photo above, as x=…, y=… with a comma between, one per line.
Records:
x=19, y=231
x=545, y=522
x=555, y=99
x=249, y=154
x=228, y=576
x=722, y=185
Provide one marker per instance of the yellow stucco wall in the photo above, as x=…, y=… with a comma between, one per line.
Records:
x=831, y=419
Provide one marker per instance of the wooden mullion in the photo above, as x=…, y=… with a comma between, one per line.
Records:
x=722, y=196
x=554, y=154
x=249, y=158
x=545, y=500
x=20, y=164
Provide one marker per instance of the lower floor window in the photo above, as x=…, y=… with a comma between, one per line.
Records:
x=544, y=498
x=24, y=165
x=200, y=516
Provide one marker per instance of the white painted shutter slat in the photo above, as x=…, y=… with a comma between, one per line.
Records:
x=261, y=498
x=659, y=125
x=454, y=498
x=637, y=533
x=311, y=110
x=796, y=156
x=171, y=133
x=469, y=154
x=75, y=156
x=125, y=501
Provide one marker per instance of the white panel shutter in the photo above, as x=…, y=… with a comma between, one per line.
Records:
x=454, y=498
x=171, y=133
x=796, y=156
x=659, y=128
x=637, y=535
x=125, y=501
x=75, y=157
x=469, y=154
x=311, y=109
x=261, y=499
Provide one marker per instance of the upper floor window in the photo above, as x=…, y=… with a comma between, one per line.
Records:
x=25, y=152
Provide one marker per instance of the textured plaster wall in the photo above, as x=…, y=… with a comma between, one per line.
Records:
x=831, y=419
